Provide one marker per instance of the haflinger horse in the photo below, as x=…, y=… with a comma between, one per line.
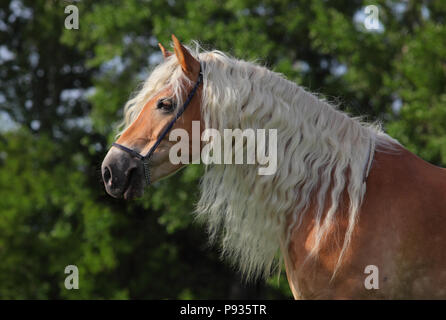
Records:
x=349, y=211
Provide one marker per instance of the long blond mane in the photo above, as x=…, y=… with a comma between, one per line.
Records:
x=317, y=147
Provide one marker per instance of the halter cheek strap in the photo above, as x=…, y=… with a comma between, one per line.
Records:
x=146, y=159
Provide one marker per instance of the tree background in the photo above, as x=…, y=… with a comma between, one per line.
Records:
x=62, y=93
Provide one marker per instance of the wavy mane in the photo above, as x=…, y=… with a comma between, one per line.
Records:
x=318, y=146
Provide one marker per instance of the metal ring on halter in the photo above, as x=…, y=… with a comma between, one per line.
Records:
x=146, y=159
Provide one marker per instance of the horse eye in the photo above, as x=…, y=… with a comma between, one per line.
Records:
x=165, y=104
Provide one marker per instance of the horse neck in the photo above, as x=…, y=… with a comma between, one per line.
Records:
x=316, y=147
x=311, y=126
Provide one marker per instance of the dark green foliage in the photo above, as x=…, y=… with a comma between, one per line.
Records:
x=62, y=93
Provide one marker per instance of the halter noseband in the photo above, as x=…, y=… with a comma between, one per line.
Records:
x=146, y=159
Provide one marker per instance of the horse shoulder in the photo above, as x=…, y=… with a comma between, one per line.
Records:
x=400, y=231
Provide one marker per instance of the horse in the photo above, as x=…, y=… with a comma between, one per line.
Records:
x=350, y=212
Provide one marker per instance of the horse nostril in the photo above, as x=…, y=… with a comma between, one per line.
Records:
x=106, y=174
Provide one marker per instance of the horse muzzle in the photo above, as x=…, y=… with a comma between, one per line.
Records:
x=122, y=175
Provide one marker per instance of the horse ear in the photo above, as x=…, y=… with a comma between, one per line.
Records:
x=189, y=64
x=166, y=53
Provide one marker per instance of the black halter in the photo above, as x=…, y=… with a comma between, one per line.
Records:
x=146, y=159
